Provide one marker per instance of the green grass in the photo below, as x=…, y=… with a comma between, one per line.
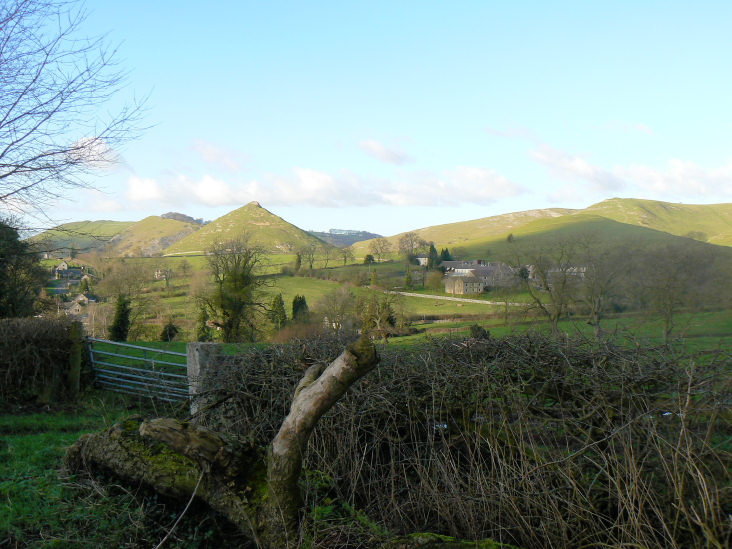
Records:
x=41, y=505
x=703, y=331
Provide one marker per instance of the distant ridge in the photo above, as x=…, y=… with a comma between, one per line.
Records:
x=615, y=217
x=343, y=238
x=183, y=217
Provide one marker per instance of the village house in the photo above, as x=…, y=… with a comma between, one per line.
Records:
x=464, y=284
x=476, y=276
x=63, y=270
x=422, y=259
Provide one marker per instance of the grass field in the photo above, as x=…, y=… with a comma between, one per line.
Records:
x=41, y=506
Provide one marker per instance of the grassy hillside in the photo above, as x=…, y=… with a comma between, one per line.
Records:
x=264, y=228
x=82, y=235
x=710, y=223
x=150, y=236
x=470, y=233
x=706, y=222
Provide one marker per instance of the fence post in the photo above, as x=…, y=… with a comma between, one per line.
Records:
x=198, y=361
x=74, y=371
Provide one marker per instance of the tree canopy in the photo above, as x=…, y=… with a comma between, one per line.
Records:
x=21, y=276
x=236, y=299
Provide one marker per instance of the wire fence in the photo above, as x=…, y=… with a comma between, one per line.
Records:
x=137, y=370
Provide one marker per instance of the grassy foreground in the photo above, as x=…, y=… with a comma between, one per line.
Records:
x=42, y=506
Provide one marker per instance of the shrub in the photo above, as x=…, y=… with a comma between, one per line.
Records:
x=41, y=359
x=169, y=332
x=120, y=326
x=531, y=441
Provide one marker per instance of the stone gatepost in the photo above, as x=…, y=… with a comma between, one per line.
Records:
x=199, y=360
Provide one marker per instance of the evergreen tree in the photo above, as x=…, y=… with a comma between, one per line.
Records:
x=84, y=285
x=21, y=275
x=121, y=323
x=433, y=258
x=298, y=262
x=276, y=313
x=445, y=255
x=203, y=332
x=408, y=278
x=299, y=308
x=169, y=332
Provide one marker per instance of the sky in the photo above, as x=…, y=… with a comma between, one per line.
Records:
x=391, y=116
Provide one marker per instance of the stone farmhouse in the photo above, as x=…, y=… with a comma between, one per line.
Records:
x=473, y=277
x=63, y=270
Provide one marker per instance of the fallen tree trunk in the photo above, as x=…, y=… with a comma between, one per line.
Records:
x=258, y=493
x=256, y=490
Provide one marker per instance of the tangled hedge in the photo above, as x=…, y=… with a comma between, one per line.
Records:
x=40, y=359
x=524, y=440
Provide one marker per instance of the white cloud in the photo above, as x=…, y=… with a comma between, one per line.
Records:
x=94, y=152
x=222, y=157
x=460, y=185
x=679, y=179
x=98, y=201
x=144, y=189
x=389, y=155
x=568, y=166
x=309, y=187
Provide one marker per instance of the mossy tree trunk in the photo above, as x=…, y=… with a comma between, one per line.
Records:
x=256, y=492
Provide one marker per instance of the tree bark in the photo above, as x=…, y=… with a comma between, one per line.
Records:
x=258, y=494
x=316, y=393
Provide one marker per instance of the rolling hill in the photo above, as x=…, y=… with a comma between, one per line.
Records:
x=148, y=237
x=263, y=227
x=83, y=236
x=640, y=220
x=705, y=222
x=475, y=232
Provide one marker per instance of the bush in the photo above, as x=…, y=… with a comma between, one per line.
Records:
x=120, y=327
x=523, y=439
x=169, y=332
x=36, y=360
x=478, y=332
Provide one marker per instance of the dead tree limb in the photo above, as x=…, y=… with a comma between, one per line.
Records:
x=256, y=493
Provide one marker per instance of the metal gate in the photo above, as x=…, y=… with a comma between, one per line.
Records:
x=137, y=370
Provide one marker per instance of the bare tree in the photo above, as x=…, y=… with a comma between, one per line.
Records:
x=52, y=85
x=337, y=308
x=327, y=252
x=603, y=268
x=379, y=247
x=410, y=244
x=673, y=278
x=549, y=273
x=346, y=253
x=309, y=253
x=131, y=279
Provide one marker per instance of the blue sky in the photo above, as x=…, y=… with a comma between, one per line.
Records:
x=390, y=116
